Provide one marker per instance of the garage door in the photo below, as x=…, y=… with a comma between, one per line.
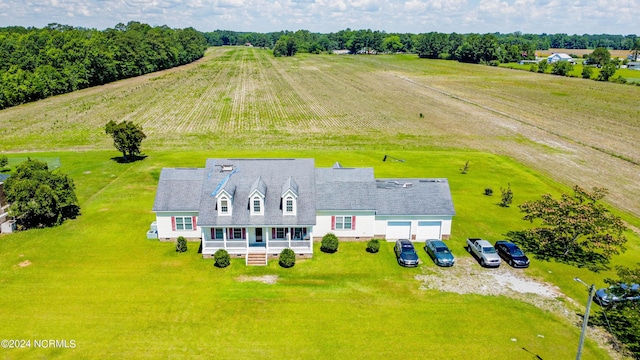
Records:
x=428, y=230
x=398, y=230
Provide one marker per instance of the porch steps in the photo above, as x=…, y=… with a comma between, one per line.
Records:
x=257, y=259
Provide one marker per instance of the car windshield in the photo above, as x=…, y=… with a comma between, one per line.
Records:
x=407, y=247
x=517, y=252
x=442, y=250
x=488, y=250
x=618, y=290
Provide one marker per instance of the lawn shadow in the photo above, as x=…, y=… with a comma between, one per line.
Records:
x=128, y=159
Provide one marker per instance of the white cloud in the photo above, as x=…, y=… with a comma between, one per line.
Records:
x=414, y=16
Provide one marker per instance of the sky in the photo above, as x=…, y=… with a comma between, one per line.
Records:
x=326, y=16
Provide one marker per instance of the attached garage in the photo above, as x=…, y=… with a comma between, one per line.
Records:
x=429, y=230
x=398, y=230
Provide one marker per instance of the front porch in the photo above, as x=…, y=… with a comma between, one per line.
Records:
x=262, y=240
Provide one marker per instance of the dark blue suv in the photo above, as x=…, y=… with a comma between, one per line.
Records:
x=512, y=254
x=406, y=253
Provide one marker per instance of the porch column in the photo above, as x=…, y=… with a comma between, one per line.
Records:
x=289, y=238
x=266, y=239
x=224, y=237
x=310, y=232
x=246, y=240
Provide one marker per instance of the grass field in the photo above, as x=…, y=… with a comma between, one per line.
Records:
x=97, y=280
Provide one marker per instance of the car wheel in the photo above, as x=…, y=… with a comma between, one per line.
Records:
x=469, y=249
x=482, y=262
x=511, y=263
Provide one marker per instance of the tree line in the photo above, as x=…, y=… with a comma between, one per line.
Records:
x=38, y=63
x=380, y=41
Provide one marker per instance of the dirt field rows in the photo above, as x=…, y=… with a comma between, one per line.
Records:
x=576, y=131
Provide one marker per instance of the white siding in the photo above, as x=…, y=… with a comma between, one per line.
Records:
x=165, y=227
x=365, y=223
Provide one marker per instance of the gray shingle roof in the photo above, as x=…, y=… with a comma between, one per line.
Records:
x=290, y=184
x=259, y=185
x=179, y=190
x=273, y=173
x=413, y=197
x=340, y=188
x=335, y=188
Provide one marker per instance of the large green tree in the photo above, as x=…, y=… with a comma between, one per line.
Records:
x=285, y=46
x=577, y=228
x=39, y=197
x=599, y=56
x=127, y=137
x=392, y=44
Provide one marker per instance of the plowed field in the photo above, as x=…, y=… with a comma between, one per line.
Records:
x=573, y=130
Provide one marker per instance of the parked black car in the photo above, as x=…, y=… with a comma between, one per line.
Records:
x=512, y=254
x=406, y=253
x=617, y=293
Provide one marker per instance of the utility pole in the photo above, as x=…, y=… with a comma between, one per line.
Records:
x=585, y=319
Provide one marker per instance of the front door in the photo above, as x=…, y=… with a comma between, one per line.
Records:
x=259, y=235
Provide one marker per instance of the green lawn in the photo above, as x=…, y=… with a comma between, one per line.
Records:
x=98, y=281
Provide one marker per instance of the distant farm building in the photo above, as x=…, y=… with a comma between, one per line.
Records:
x=555, y=57
x=634, y=65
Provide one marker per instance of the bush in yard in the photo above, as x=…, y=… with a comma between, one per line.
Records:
x=287, y=258
x=181, y=244
x=373, y=246
x=488, y=191
x=542, y=65
x=329, y=243
x=221, y=258
x=507, y=196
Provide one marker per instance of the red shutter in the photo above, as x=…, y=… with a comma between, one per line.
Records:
x=244, y=233
x=273, y=233
x=230, y=231
x=213, y=233
x=353, y=223
x=193, y=221
x=173, y=223
x=333, y=223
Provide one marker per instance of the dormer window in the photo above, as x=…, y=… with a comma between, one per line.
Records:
x=256, y=205
x=256, y=197
x=289, y=197
x=289, y=206
x=224, y=199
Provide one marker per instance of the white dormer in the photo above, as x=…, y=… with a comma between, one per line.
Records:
x=289, y=197
x=224, y=200
x=256, y=197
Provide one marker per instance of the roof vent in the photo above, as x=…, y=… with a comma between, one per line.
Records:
x=407, y=185
x=226, y=168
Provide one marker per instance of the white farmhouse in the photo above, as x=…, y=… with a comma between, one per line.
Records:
x=262, y=206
